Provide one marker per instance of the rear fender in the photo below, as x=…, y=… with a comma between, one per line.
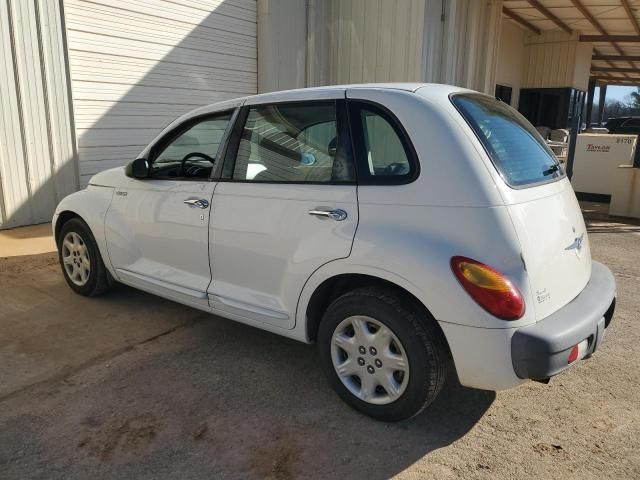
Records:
x=413, y=251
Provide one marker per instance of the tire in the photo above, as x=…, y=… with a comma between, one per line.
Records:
x=80, y=249
x=422, y=357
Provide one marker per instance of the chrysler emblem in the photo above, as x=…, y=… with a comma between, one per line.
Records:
x=576, y=245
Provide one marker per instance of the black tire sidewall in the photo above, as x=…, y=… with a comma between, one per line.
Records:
x=420, y=349
x=82, y=229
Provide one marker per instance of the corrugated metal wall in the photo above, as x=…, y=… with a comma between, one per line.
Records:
x=282, y=59
x=377, y=40
x=556, y=59
x=137, y=64
x=325, y=42
x=461, y=42
x=37, y=166
x=361, y=41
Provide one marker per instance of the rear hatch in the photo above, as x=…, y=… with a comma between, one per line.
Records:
x=555, y=248
x=542, y=205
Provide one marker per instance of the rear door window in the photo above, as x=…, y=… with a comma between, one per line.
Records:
x=293, y=143
x=516, y=149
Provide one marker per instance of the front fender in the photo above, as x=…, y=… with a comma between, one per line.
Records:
x=90, y=204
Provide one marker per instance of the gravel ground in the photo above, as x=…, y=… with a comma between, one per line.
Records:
x=133, y=386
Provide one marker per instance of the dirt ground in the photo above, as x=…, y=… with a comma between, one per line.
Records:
x=132, y=386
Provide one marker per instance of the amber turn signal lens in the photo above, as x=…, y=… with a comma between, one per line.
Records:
x=489, y=288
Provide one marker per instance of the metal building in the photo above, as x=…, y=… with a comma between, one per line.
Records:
x=86, y=84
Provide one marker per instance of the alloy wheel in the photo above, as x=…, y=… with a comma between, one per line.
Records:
x=75, y=258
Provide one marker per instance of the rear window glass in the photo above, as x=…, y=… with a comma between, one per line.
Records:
x=516, y=149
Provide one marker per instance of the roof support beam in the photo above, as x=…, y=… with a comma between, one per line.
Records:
x=616, y=58
x=547, y=13
x=610, y=38
x=630, y=14
x=596, y=24
x=595, y=68
x=616, y=79
x=517, y=18
x=626, y=83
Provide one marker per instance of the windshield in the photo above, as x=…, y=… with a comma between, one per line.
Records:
x=516, y=149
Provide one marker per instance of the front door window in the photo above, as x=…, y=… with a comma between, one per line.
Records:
x=192, y=153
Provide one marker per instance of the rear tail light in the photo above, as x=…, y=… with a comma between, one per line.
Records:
x=489, y=288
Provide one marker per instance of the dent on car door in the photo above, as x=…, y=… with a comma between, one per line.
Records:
x=157, y=227
x=287, y=205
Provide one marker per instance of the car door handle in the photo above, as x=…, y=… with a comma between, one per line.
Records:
x=336, y=214
x=197, y=202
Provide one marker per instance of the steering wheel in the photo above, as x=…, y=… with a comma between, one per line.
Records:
x=191, y=155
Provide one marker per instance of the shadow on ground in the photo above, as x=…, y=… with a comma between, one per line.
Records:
x=598, y=220
x=196, y=397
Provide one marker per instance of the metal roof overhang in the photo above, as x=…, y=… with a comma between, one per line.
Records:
x=611, y=26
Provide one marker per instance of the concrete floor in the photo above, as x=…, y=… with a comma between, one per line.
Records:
x=132, y=386
x=27, y=241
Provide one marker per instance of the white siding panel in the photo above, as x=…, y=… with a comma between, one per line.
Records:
x=463, y=49
x=138, y=64
x=556, y=59
x=379, y=43
x=37, y=159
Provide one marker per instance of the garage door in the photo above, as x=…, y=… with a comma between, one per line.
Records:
x=138, y=64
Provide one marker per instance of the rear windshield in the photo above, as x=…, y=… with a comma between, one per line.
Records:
x=516, y=149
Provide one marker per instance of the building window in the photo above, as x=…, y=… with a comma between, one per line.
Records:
x=504, y=93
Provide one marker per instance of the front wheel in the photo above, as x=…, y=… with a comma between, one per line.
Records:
x=80, y=259
x=382, y=354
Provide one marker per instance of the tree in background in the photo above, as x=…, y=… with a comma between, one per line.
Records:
x=634, y=99
x=629, y=106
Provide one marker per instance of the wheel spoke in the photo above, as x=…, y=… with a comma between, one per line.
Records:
x=67, y=260
x=68, y=245
x=393, y=362
x=368, y=385
x=390, y=385
x=382, y=338
x=347, y=368
x=361, y=331
x=348, y=344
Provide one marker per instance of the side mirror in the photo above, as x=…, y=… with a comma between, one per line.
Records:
x=139, y=168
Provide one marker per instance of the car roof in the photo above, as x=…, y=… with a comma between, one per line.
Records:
x=425, y=89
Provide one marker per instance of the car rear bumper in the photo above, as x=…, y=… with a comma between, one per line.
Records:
x=542, y=350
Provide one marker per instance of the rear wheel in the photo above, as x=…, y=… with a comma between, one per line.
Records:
x=80, y=259
x=381, y=354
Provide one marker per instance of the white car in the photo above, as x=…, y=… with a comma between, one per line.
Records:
x=404, y=228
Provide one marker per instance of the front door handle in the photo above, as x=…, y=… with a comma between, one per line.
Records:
x=197, y=202
x=336, y=214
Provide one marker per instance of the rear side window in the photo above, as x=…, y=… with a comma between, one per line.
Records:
x=516, y=149
x=385, y=154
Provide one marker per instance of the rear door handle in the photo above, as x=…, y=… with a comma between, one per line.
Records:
x=197, y=202
x=334, y=214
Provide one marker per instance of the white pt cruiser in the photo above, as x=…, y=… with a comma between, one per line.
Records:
x=410, y=230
